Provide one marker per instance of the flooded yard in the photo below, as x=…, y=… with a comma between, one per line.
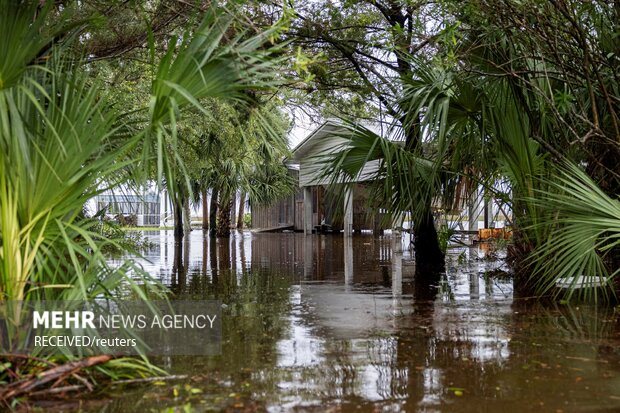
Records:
x=321, y=323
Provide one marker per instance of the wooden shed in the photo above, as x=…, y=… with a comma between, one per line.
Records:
x=313, y=208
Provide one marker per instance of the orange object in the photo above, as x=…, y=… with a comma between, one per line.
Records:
x=484, y=233
x=494, y=233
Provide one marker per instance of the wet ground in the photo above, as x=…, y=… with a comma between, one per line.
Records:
x=318, y=323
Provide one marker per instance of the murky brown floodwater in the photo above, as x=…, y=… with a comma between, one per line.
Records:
x=320, y=324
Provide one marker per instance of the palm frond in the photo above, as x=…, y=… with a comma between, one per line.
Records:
x=194, y=68
x=585, y=231
x=398, y=180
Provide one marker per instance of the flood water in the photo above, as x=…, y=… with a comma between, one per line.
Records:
x=320, y=323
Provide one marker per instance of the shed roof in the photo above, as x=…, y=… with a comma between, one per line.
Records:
x=329, y=138
x=334, y=127
x=305, y=147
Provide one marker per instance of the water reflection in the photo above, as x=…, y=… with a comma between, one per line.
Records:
x=319, y=321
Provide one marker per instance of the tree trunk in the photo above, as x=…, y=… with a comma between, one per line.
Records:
x=205, y=256
x=223, y=216
x=179, y=265
x=205, y=210
x=427, y=252
x=187, y=217
x=241, y=211
x=178, y=218
x=177, y=260
x=517, y=255
x=213, y=212
x=213, y=259
x=429, y=257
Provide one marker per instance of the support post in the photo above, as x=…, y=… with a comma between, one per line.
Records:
x=348, y=263
x=164, y=197
x=397, y=240
x=489, y=215
x=473, y=209
x=307, y=210
x=486, y=213
x=308, y=258
x=348, y=211
x=397, y=282
x=474, y=286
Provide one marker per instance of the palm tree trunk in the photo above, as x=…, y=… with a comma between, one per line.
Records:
x=223, y=215
x=427, y=252
x=213, y=259
x=178, y=219
x=205, y=256
x=177, y=261
x=205, y=210
x=241, y=211
x=187, y=217
x=213, y=211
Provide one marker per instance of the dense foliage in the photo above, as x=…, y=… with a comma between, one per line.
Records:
x=66, y=136
x=499, y=95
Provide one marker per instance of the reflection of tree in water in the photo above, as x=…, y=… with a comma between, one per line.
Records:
x=254, y=322
x=394, y=367
x=415, y=366
x=179, y=266
x=459, y=345
x=415, y=353
x=500, y=355
x=448, y=347
x=255, y=301
x=579, y=322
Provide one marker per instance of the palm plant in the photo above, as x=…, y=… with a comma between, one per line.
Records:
x=62, y=141
x=583, y=237
x=60, y=146
x=234, y=148
x=59, y=130
x=58, y=138
x=478, y=129
x=251, y=162
x=457, y=119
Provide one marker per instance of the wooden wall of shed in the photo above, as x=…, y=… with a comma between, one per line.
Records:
x=365, y=218
x=299, y=214
x=290, y=212
x=273, y=216
x=285, y=212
